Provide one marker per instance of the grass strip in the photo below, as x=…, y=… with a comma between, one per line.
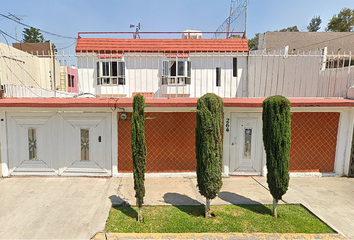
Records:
x=227, y=218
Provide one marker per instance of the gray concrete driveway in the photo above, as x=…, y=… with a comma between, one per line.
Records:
x=331, y=199
x=54, y=208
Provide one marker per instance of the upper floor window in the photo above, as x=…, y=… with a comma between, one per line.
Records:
x=71, y=80
x=111, y=72
x=176, y=72
x=218, y=76
x=234, y=67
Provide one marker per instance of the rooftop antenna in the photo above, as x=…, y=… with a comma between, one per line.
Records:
x=136, y=35
x=17, y=19
x=236, y=10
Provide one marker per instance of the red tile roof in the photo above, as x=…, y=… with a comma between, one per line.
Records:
x=114, y=45
x=163, y=102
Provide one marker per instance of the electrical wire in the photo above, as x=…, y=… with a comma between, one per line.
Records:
x=67, y=46
x=22, y=69
x=14, y=74
x=8, y=36
x=41, y=30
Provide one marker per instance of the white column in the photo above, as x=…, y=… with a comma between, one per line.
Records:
x=226, y=144
x=3, y=140
x=114, y=143
x=344, y=143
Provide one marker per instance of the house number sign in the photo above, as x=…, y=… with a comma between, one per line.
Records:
x=227, y=124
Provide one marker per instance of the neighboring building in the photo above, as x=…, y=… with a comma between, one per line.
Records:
x=39, y=49
x=18, y=68
x=69, y=79
x=335, y=42
x=23, y=74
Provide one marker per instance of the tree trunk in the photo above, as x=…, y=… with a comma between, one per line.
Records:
x=140, y=215
x=207, y=208
x=275, y=204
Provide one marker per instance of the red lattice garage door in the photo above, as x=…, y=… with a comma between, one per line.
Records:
x=313, y=141
x=170, y=142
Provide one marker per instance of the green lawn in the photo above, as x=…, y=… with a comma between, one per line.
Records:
x=230, y=218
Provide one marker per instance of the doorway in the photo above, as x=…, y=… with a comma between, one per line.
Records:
x=245, y=144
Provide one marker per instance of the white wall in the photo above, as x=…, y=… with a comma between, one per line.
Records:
x=204, y=75
x=144, y=74
x=87, y=73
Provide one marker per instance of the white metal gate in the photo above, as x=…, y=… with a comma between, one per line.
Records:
x=49, y=143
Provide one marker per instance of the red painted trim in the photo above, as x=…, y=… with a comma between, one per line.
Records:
x=160, y=102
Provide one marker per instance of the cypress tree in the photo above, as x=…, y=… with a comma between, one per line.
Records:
x=139, y=151
x=277, y=139
x=208, y=147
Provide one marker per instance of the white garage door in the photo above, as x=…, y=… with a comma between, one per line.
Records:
x=68, y=144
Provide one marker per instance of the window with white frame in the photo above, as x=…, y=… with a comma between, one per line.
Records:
x=176, y=72
x=111, y=73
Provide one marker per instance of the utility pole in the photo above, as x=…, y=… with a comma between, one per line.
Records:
x=53, y=56
x=246, y=18
x=17, y=19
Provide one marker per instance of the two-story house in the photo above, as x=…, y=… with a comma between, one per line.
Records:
x=163, y=67
x=91, y=136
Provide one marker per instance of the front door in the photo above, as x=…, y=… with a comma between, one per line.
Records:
x=245, y=144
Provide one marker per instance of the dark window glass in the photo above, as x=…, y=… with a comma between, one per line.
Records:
x=105, y=69
x=234, y=67
x=85, y=144
x=180, y=68
x=218, y=76
x=173, y=68
x=70, y=80
x=32, y=143
x=121, y=81
x=189, y=69
x=121, y=69
x=114, y=69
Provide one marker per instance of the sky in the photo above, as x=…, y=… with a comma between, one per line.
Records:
x=68, y=17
